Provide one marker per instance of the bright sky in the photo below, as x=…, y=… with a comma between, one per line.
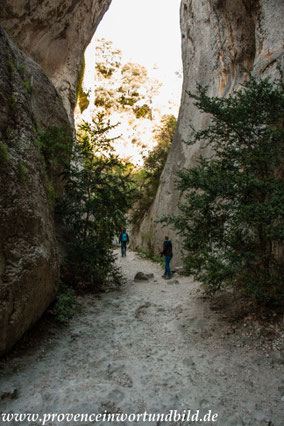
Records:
x=148, y=33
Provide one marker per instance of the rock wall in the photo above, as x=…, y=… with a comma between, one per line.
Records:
x=29, y=266
x=219, y=38
x=55, y=33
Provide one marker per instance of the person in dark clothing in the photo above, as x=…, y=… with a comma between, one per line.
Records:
x=168, y=253
x=124, y=240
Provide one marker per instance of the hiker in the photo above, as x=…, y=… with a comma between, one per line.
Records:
x=123, y=239
x=168, y=253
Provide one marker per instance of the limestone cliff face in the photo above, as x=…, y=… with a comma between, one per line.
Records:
x=55, y=34
x=29, y=265
x=219, y=38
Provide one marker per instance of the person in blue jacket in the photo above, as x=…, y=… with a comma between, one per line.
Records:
x=124, y=240
x=168, y=253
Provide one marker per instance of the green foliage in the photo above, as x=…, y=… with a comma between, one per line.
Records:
x=104, y=70
x=150, y=256
x=22, y=172
x=80, y=77
x=23, y=74
x=108, y=58
x=3, y=153
x=51, y=195
x=143, y=112
x=155, y=162
x=98, y=195
x=148, y=179
x=64, y=305
x=55, y=145
x=12, y=66
x=133, y=80
x=100, y=102
x=13, y=102
x=81, y=95
x=22, y=71
x=127, y=100
x=27, y=86
x=104, y=98
x=83, y=100
x=231, y=215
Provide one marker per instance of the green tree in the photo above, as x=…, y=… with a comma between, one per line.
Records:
x=108, y=58
x=231, y=213
x=121, y=87
x=98, y=195
x=154, y=163
x=148, y=178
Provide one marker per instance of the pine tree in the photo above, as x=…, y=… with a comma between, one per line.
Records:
x=98, y=195
x=231, y=215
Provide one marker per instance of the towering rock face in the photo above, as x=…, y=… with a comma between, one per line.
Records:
x=55, y=34
x=219, y=39
x=29, y=266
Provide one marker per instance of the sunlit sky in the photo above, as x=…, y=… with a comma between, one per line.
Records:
x=148, y=33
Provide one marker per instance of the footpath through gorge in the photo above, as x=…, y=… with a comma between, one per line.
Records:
x=148, y=348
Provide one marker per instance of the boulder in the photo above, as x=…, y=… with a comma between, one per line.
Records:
x=140, y=276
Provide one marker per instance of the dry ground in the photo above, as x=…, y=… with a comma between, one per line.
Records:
x=151, y=346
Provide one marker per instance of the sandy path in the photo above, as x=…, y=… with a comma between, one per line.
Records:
x=154, y=346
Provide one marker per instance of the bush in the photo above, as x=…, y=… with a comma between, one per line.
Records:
x=106, y=71
x=55, y=145
x=64, y=305
x=231, y=214
x=151, y=256
x=148, y=179
x=22, y=172
x=143, y=112
x=98, y=195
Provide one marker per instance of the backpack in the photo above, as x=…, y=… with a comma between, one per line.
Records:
x=124, y=237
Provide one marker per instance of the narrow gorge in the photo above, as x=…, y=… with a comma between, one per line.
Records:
x=42, y=46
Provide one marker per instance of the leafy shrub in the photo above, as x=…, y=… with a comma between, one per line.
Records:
x=231, y=214
x=55, y=145
x=104, y=70
x=151, y=256
x=104, y=98
x=12, y=66
x=27, y=85
x=143, y=112
x=127, y=100
x=98, y=195
x=22, y=172
x=64, y=305
x=148, y=179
